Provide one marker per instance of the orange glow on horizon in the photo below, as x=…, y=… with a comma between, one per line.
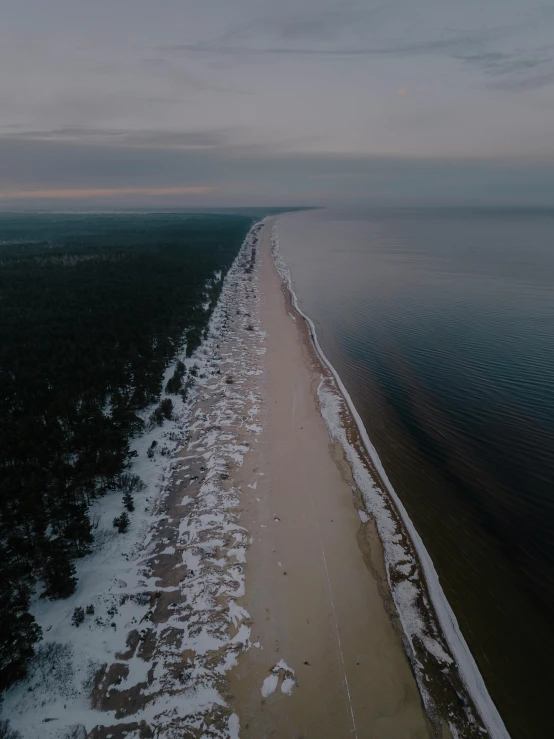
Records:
x=105, y=192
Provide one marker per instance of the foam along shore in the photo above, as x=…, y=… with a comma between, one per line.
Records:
x=433, y=638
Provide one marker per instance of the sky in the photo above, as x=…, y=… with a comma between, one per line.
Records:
x=257, y=102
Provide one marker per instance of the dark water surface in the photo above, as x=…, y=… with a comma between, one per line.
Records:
x=441, y=325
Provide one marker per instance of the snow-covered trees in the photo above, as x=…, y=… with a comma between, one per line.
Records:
x=92, y=310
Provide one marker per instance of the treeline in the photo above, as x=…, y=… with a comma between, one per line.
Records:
x=92, y=309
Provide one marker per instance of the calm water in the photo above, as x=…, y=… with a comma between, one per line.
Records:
x=441, y=325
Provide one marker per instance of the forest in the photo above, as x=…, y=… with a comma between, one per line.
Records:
x=92, y=310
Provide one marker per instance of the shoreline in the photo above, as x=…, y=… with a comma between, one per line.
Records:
x=329, y=657
x=441, y=609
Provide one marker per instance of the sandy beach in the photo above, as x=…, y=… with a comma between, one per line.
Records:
x=330, y=661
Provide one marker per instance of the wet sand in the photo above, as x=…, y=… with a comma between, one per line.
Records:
x=330, y=662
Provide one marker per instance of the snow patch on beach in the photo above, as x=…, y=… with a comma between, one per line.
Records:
x=269, y=685
x=279, y=672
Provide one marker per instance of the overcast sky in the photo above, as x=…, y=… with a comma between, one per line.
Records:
x=184, y=102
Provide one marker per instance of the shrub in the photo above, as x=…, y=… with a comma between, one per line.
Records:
x=58, y=571
x=18, y=628
x=122, y=522
x=163, y=411
x=186, y=387
x=130, y=483
x=175, y=381
x=128, y=502
x=78, y=616
x=166, y=407
x=77, y=731
x=6, y=732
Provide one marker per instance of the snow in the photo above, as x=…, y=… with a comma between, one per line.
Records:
x=287, y=686
x=234, y=726
x=279, y=672
x=269, y=685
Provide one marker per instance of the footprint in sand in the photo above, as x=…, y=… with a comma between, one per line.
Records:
x=280, y=671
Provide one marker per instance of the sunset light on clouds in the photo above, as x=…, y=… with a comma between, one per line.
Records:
x=103, y=192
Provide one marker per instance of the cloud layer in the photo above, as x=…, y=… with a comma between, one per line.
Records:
x=301, y=101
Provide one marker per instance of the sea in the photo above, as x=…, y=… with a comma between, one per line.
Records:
x=440, y=322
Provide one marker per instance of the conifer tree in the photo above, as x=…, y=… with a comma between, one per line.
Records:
x=128, y=502
x=18, y=629
x=84, y=343
x=6, y=732
x=122, y=522
x=58, y=570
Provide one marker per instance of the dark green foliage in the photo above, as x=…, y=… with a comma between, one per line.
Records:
x=122, y=522
x=78, y=616
x=186, y=387
x=92, y=310
x=175, y=382
x=58, y=571
x=90, y=610
x=194, y=339
x=6, y=732
x=166, y=407
x=77, y=731
x=128, y=502
x=130, y=483
x=163, y=412
x=18, y=629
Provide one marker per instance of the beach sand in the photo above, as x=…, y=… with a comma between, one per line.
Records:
x=329, y=660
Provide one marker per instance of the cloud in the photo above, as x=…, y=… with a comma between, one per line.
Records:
x=515, y=70
x=402, y=91
x=105, y=192
x=345, y=30
x=49, y=173
x=325, y=24
x=501, y=62
x=528, y=82
x=453, y=42
x=169, y=71
x=341, y=29
x=163, y=138
x=58, y=164
x=225, y=142
x=457, y=45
